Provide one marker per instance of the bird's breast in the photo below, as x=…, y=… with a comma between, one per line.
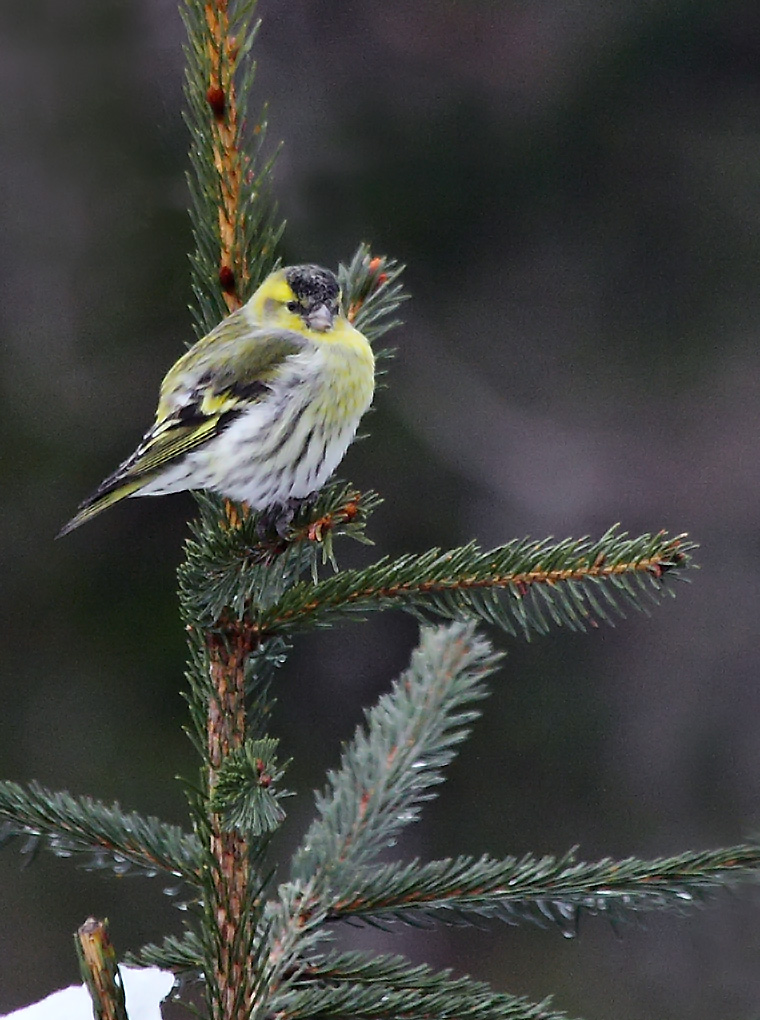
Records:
x=345, y=381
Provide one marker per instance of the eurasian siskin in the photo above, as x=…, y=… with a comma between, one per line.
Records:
x=262, y=409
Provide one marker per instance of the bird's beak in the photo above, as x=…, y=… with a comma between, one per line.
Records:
x=320, y=318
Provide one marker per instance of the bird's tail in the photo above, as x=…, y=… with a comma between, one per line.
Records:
x=111, y=491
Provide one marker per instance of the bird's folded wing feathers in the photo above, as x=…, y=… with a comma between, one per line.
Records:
x=231, y=358
x=169, y=441
x=165, y=443
x=201, y=395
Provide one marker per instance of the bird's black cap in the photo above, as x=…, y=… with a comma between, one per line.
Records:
x=313, y=285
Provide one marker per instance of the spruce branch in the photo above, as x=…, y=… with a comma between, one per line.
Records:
x=448, y=1002
x=540, y=889
x=292, y=927
x=389, y=768
x=183, y=954
x=111, y=839
x=228, y=569
x=411, y=736
x=246, y=792
x=522, y=587
x=354, y=984
x=372, y=293
x=340, y=984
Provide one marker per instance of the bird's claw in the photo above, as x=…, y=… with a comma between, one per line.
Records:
x=279, y=518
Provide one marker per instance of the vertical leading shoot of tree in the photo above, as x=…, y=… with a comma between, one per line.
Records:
x=257, y=936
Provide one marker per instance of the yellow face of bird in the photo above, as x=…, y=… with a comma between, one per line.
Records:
x=298, y=298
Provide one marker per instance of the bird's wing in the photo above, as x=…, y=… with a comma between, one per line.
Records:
x=201, y=395
x=234, y=352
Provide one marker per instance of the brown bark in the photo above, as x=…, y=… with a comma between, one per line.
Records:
x=226, y=732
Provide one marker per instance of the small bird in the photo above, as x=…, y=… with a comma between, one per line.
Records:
x=262, y=409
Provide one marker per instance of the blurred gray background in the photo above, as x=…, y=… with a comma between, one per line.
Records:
x=576, y=190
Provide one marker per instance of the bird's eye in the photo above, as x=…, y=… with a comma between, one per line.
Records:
x=294, y=306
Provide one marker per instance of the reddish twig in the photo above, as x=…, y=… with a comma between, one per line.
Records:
x=229, y=161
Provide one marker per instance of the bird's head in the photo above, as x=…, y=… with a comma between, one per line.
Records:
x=298, y=298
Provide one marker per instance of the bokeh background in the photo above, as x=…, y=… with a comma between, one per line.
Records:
x=575, y=188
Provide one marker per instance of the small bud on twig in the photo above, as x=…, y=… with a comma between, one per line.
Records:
x=227, y=280
x=215, y=99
